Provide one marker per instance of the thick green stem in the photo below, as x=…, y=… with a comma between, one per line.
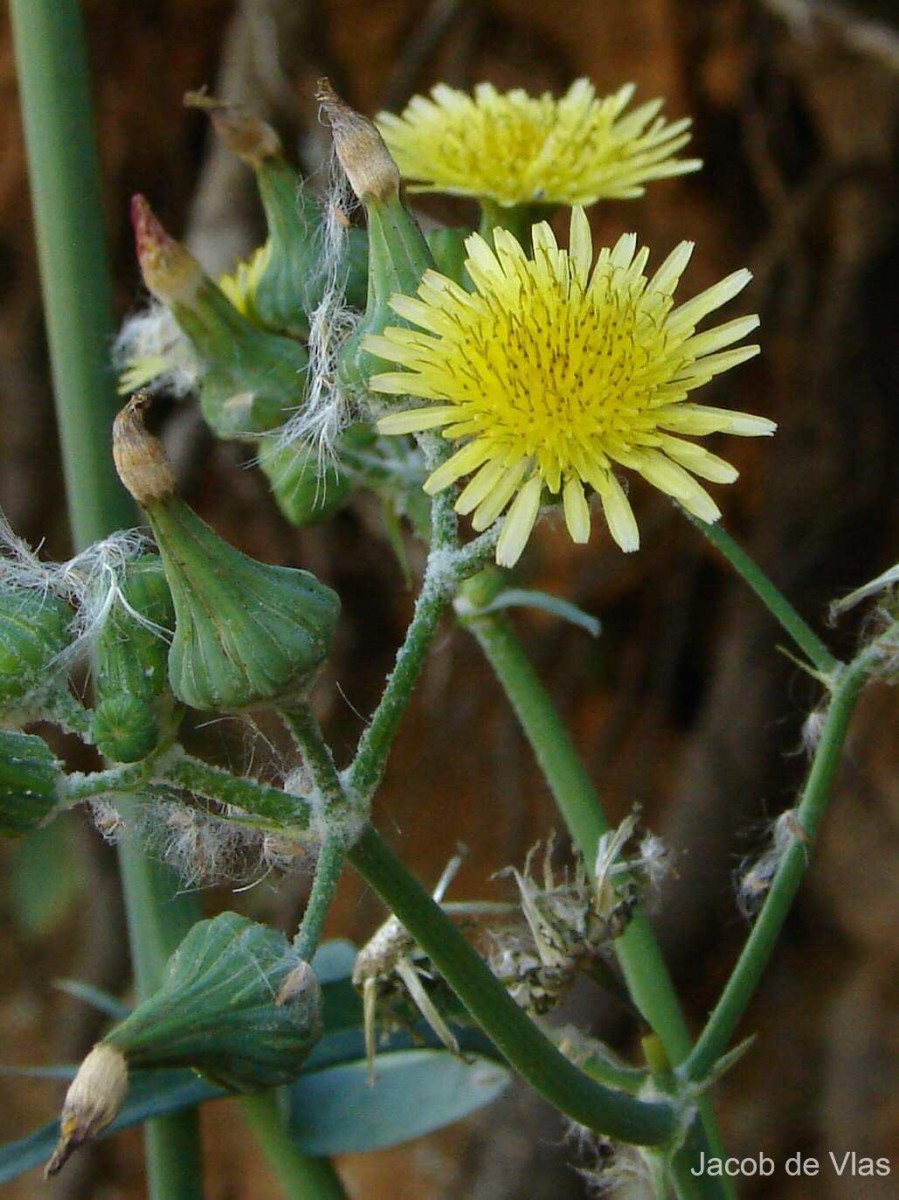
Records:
x=65, y=185
x=649, y=983
x=518, y=1038
x=301, y=1177
x=65, y=189
x=735, y=998
x=772, y=598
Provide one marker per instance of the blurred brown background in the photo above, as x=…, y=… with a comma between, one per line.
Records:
x=685, y=704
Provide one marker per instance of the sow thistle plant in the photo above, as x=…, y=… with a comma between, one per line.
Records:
x=493, y=375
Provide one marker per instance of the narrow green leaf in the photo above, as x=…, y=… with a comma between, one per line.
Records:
x=554, y=605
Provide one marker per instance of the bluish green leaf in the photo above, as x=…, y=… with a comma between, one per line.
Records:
x=337, y=1111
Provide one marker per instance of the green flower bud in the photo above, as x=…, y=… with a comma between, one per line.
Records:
x=134, y=709
x=304, y=493
x=29, y=779
x=34, y=631
x=246, y=633
x=287, y=286
x=236, y=1005
x=398, y=254
x=307, y=491
x=252, y=377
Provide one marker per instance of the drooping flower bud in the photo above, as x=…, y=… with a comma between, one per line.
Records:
x=34, y=631
x=252, y=377
x=92, y=1103
x=134, y=709
x=398, y=254
x=236, y=1004
x=246, y=633
x=29, y=783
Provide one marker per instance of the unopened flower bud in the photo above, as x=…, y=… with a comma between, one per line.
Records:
x=251, y=377
x=236, y=1004
x=398, y=254
x=34, y=631
x=133, y=708
x=283, y=283
x=246, y=633
x=29, y=783
x=92, y=1102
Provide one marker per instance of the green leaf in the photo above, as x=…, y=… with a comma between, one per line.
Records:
x=337, y=1111
x=554, y=605
x=94, y=996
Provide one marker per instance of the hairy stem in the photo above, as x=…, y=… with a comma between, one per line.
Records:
x=760, y=944
x=328, y=870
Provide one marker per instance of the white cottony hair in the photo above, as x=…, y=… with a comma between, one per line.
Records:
x=327, y=410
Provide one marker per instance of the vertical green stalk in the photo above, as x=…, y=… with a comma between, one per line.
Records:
x=64, y=173
x=301, y=1177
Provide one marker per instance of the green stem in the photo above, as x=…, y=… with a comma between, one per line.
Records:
x=644, y=969
x=64, y=171
x=277, y=808
x=772, y=598
x=328, y=870
x=367, y=768
x=517, y=1037
x=301, y=1177
x=747, y=973
x=317, y=757
x=516, y=218
x=53, y=76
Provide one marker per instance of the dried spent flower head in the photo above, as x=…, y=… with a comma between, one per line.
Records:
x=557, y=371
x=391, y=968
x=139, y=457
x=756, y=876
x=93, y=1101
x=372, y=173
x=512, y=148
x=240, y=131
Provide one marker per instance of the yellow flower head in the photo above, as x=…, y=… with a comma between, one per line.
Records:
x=555, y=372
x=513, y=148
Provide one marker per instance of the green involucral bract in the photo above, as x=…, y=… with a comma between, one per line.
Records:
x=253, y=378
x=306, y=488
x=293, y=279
x=398, y=256
x=236, y=1004
x=29, y=777
x=34, y=631
x=246, y=633
x=134, y=709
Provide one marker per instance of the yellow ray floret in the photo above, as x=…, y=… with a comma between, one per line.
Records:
x=555, y=371
x=513, y=148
